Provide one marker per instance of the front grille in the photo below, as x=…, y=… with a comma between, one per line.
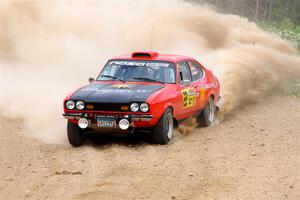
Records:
x=106, y=107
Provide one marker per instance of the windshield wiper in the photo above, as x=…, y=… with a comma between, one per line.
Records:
x=113, y=77
x=148, y=79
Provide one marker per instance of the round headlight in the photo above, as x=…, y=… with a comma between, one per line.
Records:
x=124, y=124
x=80, y=105
x=134, y=107
x=83, y=123
x=70, y=105
x=144, y=107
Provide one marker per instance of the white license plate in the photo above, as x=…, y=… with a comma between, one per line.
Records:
x=106, y=122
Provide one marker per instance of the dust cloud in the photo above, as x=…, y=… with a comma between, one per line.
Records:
x=49, y=48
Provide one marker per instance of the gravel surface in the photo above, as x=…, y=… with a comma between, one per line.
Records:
x=253, y=154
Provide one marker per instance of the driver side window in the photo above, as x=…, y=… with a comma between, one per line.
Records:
x=184, y=73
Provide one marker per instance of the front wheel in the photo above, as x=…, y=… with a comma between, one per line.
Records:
x=75, y=134
x=207, y=116
x=163, y=130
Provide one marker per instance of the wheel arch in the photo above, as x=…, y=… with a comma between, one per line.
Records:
x=213, y=95
x=171, y=106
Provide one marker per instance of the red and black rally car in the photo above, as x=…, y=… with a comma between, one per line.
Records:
x=142, y=91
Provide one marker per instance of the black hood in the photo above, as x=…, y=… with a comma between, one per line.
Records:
x=115, y=93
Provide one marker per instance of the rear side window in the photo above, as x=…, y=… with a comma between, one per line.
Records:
x=196, y=71
x=184, y=72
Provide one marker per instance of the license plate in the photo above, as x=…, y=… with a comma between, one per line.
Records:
x=106, y=122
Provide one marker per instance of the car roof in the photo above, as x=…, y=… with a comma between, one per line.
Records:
x=152, y=55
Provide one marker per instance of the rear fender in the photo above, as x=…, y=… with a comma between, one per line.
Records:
x=212, y=94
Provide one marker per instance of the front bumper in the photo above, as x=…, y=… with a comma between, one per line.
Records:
x=136, y=120
x=74, y=116
x=77, y=116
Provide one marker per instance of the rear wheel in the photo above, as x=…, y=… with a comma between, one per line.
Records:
x=75, y=134
x=163, y=130
x=207, y=116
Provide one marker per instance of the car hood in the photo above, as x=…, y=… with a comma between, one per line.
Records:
x=115, y=93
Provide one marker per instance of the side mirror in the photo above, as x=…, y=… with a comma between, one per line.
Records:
x=91, y=80
x=187, y=82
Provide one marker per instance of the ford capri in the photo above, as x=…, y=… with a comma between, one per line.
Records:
x=143, y=91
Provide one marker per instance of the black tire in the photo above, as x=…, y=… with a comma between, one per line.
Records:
x=208, y=114
x=75, y=135
x=163, y=130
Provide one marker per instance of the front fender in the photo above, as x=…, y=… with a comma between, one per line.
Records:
x=157, y=109
x=161, y=100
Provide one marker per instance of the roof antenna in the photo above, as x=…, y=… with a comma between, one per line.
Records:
x=151, y=41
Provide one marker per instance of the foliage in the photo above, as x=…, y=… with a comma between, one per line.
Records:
x=281, y=17
x=258, y=10
x=285, y=29
x=291, y=88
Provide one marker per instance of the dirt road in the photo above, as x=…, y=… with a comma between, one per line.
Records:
x=253, y=154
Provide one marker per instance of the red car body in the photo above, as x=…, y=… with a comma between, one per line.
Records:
x=186, y=98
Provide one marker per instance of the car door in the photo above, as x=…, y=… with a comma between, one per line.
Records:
x=186, y=89
x=198, y=83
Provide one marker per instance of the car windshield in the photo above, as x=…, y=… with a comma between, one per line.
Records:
x=137, y=71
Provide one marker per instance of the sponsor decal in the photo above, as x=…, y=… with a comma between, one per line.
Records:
x=210, y=85
x=142, y=91
x=202, y=95
x=88, y=89
x=121, y=86
x=189, y=97
x=139, y=64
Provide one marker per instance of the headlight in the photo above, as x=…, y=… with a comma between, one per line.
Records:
x=70, y=105
x=83, y=123
x=80, y=105
x=144, y=107
x=124, y=124
x=134, y=107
